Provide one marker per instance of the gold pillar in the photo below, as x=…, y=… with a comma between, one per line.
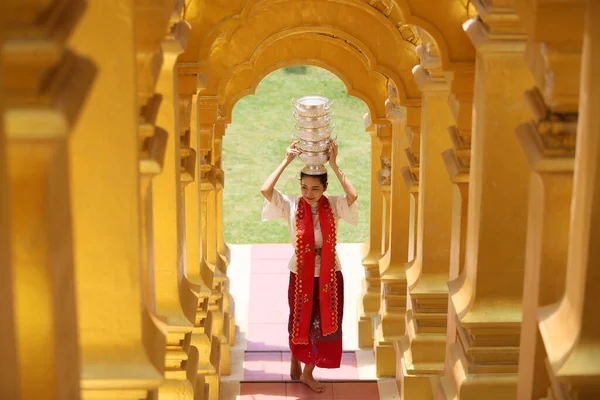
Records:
x=487, y=296
x=199, y=273
x=410, y=173
x=457, y=160
x=222, y=247
x=384, y=182
x=220, y=350
x=43, y=85
x=391, y=321
x=371, y=250
x=549, y=143
x=176, y=303
x=423, y=347
x=9, y=367
x=222, y=250
x=104, y=167
x=152, y=20
x=570, y=328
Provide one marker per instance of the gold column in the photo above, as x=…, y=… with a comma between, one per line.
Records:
x=410, y=173
x=570, y=328
x=105, y=189
x=457, y=160
x=176, y=303
x=549, y=143
x=222, y=318
x=219, y=353
x=198, y=272
x=384, y=182
x=43, y=85
x=222, y=255
x=152, y=21
x=371, y=250
x=423, y=347
x=222, y=247
x=487, y=297
x=9, y=367
x=391, y=322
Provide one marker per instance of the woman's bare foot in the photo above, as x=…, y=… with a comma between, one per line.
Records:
x=309, y=381
x=295, y=369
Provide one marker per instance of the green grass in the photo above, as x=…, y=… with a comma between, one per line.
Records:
x=255, y=144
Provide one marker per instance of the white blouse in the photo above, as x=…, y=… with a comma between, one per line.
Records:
x=282, y=206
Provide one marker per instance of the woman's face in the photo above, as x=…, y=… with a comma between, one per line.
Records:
x=312, y=189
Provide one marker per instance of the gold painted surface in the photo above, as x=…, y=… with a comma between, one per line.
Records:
x=326, y=51
x=551, y=163
x=488, y=295
x=569, y=328
x=242, y=36
x=371, y=249
x=423, y=346
x=42, y=86
x=391, y=266
x=104, y=163
x=9, y=368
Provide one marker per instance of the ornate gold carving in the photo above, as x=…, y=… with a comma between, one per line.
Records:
x=410, y=179
x=408, y=34
x=557, y=131
x=383, y=6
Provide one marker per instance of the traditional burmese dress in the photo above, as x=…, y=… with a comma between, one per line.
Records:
x=316, y=287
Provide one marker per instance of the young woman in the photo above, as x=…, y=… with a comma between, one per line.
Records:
x=316, y=287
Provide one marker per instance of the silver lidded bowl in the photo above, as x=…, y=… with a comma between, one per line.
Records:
x=315, y=135
x=313, y=147
x=313, y=122
x=314, y=128
x=315, y=162
x=312, y=106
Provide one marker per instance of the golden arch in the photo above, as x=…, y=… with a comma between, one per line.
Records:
x=376, y=37
x=442, y=20
x=339, y=58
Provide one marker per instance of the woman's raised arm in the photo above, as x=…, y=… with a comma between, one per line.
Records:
x=269, y=185
x=351, y=193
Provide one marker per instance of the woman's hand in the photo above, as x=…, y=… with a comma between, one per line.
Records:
x=333, y=152
x=291, y=152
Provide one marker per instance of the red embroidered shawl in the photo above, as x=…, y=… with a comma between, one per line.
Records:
x=305, y=262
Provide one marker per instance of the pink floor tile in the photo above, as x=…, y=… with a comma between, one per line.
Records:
x=346, y=371
x=268, y=299
x=263, y=391
x=267, y=337
x=356, y=391
x=282, y=250
x=263, y=366
x=299, y=391
x=270, y=266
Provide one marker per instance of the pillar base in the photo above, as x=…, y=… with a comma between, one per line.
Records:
x=173, y=389
x=414, y=378
x=385, y=355
x=472, y=382
x=365, y=330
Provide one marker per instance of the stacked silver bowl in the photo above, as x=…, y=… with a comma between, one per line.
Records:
x=313, y=131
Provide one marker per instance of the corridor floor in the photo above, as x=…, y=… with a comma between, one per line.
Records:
x=260, y=359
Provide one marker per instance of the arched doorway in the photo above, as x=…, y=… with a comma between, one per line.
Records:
x=260, y=129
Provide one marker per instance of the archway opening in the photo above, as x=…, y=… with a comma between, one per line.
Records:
x=261, y=129
x=254, y=145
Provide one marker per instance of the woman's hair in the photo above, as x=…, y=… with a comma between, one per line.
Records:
x=322, y=178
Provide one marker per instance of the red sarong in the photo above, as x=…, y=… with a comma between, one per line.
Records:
x=322, y=351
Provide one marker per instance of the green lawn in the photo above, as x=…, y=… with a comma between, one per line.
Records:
x=255, y=144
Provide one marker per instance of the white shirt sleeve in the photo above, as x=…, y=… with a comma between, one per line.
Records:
x=278, y=207
x=342, y=211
